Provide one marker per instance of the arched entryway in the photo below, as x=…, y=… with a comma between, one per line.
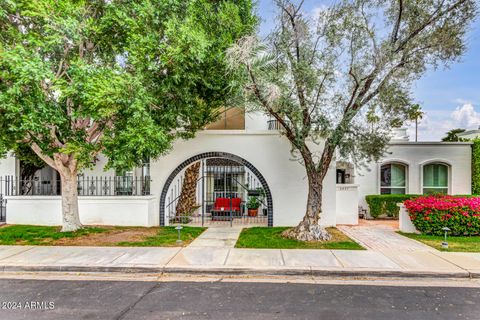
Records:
x=250, y=185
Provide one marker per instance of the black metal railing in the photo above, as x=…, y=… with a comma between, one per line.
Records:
x=86, y=186
x=274, y=124
x=3, y=209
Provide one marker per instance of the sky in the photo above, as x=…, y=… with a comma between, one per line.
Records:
x=449, y=97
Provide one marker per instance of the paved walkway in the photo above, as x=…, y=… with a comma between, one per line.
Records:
x=381, y=236
x=221, y=237
x=234, y=261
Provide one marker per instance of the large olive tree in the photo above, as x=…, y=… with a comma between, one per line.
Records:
x=121, y=78
x=324, y=79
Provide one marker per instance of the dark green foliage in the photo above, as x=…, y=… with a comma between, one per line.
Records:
x=385, y=205
x=458, y=223
x=29, y=161
x=430, y=214
x=122, y=78
x=452, y=136
x=476, y=166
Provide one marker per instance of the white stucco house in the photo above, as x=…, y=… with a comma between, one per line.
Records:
x=241, y=156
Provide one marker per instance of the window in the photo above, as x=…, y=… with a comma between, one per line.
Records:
x=123, y=182
x=393, y=178
x=435, y=178
x=229, y=119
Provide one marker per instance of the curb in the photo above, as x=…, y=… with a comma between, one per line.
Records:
x=354, y=273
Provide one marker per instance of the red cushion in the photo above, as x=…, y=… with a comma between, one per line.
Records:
x=225, y=204
x=221, y=203
x=236, y=204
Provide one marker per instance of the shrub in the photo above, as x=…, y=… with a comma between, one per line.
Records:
x=476, y=166
x=386, y=204
x=430, y=214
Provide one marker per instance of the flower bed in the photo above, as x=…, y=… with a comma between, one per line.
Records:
x=430, y=214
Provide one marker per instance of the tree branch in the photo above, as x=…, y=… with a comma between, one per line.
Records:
x=396, y=28
x=434, y=17
x=39, y=152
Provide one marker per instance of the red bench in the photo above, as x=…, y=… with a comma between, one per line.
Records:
x=221, y=208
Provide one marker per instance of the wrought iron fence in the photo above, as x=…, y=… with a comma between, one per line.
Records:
x=3, y=209
x=86, y=186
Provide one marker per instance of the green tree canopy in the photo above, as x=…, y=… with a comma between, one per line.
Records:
x=343, y=79
x=122, y=78
x=452, y=135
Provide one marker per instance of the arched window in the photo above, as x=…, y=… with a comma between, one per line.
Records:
x=435, y=178
x=393, y=178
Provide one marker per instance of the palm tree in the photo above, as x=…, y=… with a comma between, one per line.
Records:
x=452, y=136
x=415, y=114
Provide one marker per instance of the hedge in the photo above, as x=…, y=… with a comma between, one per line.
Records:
x=430, y=214
x=386, y=204
x=476, y=166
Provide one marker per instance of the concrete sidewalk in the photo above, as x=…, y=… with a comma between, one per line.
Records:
x=221, y=237
x=217, y=260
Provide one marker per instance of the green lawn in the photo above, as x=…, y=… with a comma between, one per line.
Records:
x=167, y=237
x=263, y=238
x=40, y=235
x=455, y=244
x=97, y=236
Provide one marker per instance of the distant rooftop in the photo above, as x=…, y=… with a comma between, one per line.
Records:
x=469, y=133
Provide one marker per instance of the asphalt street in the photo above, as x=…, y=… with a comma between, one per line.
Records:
x=54, y=299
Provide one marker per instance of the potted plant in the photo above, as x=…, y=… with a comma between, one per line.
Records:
x=252, y=205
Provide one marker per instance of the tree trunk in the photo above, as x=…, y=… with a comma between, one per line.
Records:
x=309, y=228
x=188, y=196
x=71, y=218
x=416, y=129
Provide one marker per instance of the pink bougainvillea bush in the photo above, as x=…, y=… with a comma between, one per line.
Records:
x=430, y=214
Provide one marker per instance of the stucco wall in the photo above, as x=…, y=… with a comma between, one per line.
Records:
x=347, y=204
x=256, y=121
x=99, y=169
x=7, y=166
x=120, y=211
x=270, y=154
x=415, y=155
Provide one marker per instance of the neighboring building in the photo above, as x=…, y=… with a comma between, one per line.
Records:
x=417, y=168
x=470, y=134
x=241, y=156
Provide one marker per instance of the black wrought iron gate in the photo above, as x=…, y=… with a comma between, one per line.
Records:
x=226, y=192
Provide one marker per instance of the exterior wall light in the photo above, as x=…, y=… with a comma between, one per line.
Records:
x=179, y=240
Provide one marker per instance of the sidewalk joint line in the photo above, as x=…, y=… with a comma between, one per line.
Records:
x=226, y=257
x=450, y=262
x=12, y=255
x=169, y=260
x=124, y=253
x=338, y=259
x=283, y=258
